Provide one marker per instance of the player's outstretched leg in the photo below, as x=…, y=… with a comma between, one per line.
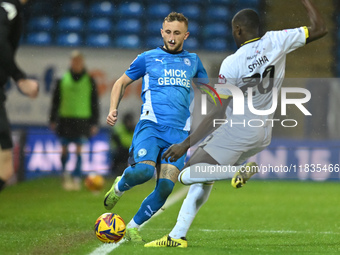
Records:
x=244, y=174
x=133, y=175
x=197, y=195
x=167, y=241
x=149, y=207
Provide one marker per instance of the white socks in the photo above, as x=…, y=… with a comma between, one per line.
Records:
x=117, y=191
x=132, y=224
x=203, y=172
x=197, y=195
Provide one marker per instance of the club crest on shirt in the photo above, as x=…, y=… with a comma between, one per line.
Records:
x=222, y=79
x=142, y=152
x=187, y=62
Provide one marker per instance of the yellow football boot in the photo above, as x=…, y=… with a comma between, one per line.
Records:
x=244, y=174
x=111, y=198
x=133, y=235
x=167, y=241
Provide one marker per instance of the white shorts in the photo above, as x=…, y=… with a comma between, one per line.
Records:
x=233, y=146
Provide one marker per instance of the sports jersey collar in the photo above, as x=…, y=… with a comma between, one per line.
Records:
x=252, y=40
x=178, y=52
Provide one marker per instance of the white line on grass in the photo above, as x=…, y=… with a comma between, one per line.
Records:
x=272, y=231
x=263, y=231
x=106, y=248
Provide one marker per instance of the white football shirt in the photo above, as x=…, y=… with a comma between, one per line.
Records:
x=260, y=64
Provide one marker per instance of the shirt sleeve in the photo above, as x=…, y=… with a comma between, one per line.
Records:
x=10, y=31
x=290, y=39
x=55, y=102
x=137, y=68
x=201, y=76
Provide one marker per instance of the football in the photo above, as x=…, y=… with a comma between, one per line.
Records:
x=94, y=182
x=109, y=228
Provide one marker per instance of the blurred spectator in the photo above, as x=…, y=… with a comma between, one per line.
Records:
x=121, y=139
x=74, y=114
x=10, y=32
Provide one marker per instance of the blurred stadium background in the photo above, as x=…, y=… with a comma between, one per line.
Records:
x=112, y=33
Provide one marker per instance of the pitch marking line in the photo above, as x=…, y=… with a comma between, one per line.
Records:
x=263, y=231
x=106, y=248
x=272, y=231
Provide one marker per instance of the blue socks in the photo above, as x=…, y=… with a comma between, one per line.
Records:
x=138, y=174
x=64, y=159
x=154, y=201
x=135, y=175
x=77, y=171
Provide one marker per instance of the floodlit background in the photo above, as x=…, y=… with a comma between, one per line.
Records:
x=112, y=33
x=296, y=214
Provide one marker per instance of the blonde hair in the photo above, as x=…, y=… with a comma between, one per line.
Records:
x=175, y=16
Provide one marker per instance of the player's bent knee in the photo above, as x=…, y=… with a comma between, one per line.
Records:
x=140, y=171
x=169, y=172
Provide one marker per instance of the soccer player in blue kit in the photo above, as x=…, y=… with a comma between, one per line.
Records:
x=167, y=72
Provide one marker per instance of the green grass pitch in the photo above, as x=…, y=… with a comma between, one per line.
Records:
x=264, y=217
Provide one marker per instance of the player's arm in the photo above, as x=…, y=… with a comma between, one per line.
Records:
x=8, y=44
x=205, y=127
x=9, y=41
x=55, y=106
x=116, y=95
x=317, y=28
x=136, y=70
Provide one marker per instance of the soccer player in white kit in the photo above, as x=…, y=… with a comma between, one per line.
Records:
x=258, y=63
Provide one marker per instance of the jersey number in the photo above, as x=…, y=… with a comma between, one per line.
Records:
x=257, y=80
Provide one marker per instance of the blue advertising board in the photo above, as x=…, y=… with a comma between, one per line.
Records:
x=43, y=152
x=282, y=159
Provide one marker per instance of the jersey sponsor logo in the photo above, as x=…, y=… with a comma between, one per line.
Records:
x=187, y=62
x=258, y=62
x=175, y=72
x=254, y=56
x=174, y=77
x=10, y=9
x=142, y=152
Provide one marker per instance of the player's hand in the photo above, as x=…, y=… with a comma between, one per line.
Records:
x=53, y=126
x=112, y=117
x=174, y=152
x=29, y=87
x=94, y=130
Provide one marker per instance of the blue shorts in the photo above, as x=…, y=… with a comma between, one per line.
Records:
x=151, y=140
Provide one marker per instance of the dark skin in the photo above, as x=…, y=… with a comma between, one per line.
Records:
x=241, y=34
x=206, y=127
x=317, y=27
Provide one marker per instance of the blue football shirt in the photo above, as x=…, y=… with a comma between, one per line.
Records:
x=167, y=79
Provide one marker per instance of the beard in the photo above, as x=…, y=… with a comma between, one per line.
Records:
x=173, y=50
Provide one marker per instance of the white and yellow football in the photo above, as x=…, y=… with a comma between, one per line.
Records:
x=110, y=228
